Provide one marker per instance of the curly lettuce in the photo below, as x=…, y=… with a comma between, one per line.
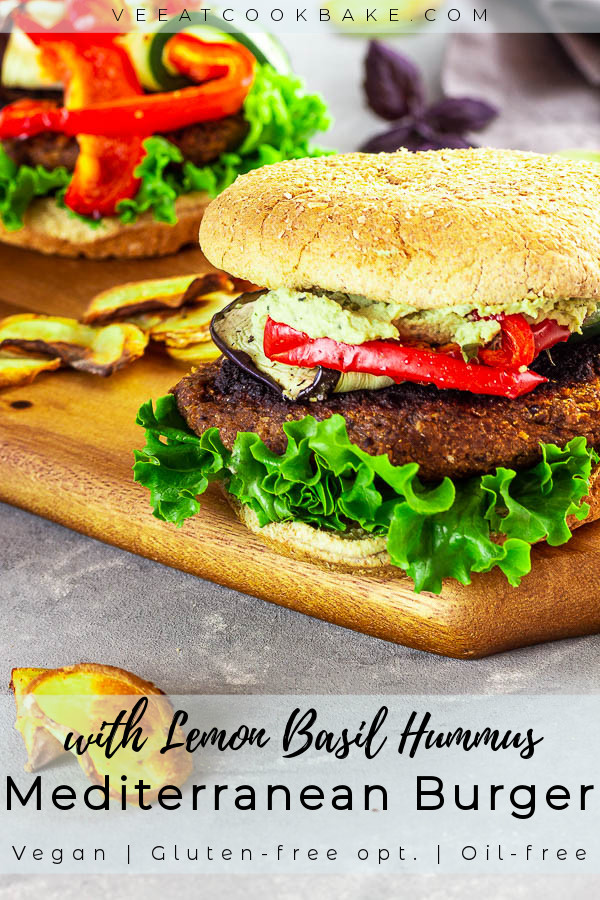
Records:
x=19, y=185
x=161, y=183
x=433, y=532
x=281, y=116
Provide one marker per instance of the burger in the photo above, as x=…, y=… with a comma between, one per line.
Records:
x=417, y=385
x=112, y=144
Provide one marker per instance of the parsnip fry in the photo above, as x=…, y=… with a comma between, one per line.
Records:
x=98, y=350
x=167, y=294
x=195, y=353
x=17, y=370
x=77, y=700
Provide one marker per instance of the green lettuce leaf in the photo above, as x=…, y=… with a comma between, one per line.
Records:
x=19, y=185
x=326, y=481
x=160, y=186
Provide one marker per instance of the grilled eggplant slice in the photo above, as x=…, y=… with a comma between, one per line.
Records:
x=231, y=331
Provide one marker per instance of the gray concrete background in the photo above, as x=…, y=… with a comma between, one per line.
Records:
x=66, y=598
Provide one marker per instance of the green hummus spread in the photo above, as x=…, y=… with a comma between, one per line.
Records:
x=352, y=319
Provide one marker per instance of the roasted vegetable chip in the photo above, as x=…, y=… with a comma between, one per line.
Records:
x=99, y=350
x=117, y=327
x=136, y=297
x=195, y=353
x=41, y=746
x=16, y=370
x=72, y=704
x=191, y=325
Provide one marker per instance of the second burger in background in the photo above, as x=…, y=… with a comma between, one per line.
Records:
x=113, y=144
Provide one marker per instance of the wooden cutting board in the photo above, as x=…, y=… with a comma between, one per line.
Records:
x=66, y=444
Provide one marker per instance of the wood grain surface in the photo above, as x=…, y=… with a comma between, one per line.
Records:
x=66, y=445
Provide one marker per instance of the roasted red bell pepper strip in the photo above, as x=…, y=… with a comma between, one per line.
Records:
x=548, y=333
x=286, y=345
x=104, y=172
x=517, y=348
x=229, y=66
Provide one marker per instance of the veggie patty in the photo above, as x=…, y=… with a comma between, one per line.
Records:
x=200, y=144
x=448, y=433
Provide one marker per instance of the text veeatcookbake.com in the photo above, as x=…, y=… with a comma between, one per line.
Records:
x=352, y=15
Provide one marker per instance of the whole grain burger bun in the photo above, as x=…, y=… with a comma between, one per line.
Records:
x=428, y=229
x=353, y=552
x=53, y=230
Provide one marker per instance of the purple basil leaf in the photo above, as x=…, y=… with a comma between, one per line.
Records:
x=458, y=114
x=392, y=83
x=388, y=141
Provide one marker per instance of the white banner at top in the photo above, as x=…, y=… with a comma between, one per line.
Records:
x=315, y=16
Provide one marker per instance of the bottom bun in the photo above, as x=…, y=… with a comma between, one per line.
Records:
x=52, y=230
x=353, y=552
x=350, y=552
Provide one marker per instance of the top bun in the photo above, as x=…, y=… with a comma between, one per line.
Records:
x=429, y=229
